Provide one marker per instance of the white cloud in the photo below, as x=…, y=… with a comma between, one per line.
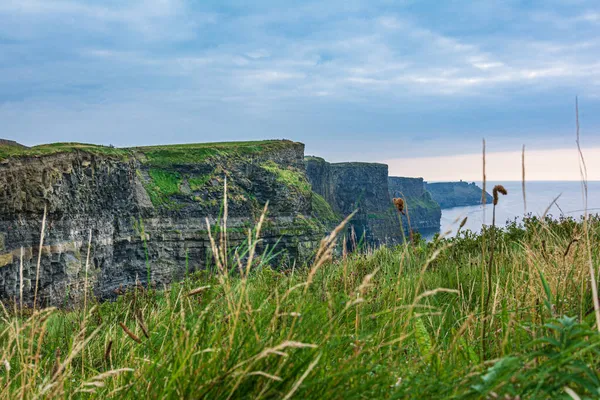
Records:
x=154, y=20
x=329, y=67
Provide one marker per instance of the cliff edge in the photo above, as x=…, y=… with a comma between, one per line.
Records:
x=146, y=208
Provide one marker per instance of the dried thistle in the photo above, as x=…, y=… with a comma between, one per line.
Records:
x=498, y=189
x=399, y=203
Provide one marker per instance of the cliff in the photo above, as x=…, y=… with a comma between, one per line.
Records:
x=363, y=186
x=6, y=145
x=425, y=213
x=146, y=208
x=456, y=194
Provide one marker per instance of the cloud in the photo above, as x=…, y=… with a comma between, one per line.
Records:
x=357, y=73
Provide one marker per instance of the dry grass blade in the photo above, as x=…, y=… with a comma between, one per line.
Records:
x=56, y=361
x=550, y=206
x=223, y=241
x=87, y=263
x=285, y=345
x=132, y=335
x=483, y=192
x=434, y=292
x=198, y=290
x=143, y=328
x=39, y=260
x=571, y=243
x=329, y=239
x=325, y=251
x=584, y=184
x=213, y=246
x=261, y=373
x=21, y=282
x=302, y=378
x=76, y=350
x=256, y=237
x=110, y=373
x=523, y=181
x=571, y=393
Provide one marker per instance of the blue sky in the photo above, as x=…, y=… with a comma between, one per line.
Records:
x=364, y=80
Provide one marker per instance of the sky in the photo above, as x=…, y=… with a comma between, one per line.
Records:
x=411, y=83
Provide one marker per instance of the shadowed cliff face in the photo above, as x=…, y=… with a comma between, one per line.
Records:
x=146, y=209
x=363, y=186
x=456, y=194
x=425, y=214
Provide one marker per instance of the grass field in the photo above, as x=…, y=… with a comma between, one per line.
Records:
x=505, y=314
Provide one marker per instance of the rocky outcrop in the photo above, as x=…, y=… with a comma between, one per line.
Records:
x=146, y=209
x=357, y=186
x=456, y=194
x=424, y=212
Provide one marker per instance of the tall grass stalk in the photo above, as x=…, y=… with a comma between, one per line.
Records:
x=39, y=260
x=523, y=181
x=584, y=189
x=21, y=282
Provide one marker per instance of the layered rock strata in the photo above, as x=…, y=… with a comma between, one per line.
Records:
x=147, y=210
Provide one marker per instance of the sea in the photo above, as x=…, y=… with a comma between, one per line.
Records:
x=564, y=198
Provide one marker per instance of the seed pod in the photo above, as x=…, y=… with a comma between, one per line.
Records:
x=399, y=203
x=129, y=333
x=498, y=189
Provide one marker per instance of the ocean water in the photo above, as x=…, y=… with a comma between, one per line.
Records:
x=539, y=196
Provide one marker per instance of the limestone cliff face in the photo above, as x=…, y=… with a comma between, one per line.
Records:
x=363, y=186
x=425, y=213
x=146, y=209
x=456, y=194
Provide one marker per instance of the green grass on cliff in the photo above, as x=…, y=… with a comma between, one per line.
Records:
x=162, y=185
x=154, y=155
x=289, y=177
x=56, y=148
x=194, y=153
x=198, y=182
x=438, y=320
x=323, y=211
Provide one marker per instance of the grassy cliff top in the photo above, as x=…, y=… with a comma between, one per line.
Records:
x=314, y=158
x=359, y=164
x=344, y=164
x=157, y=155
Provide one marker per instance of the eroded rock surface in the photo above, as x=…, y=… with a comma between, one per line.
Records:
x=358, y=186
x=146, y=209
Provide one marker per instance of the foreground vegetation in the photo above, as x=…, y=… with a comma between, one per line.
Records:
x=506, y=314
